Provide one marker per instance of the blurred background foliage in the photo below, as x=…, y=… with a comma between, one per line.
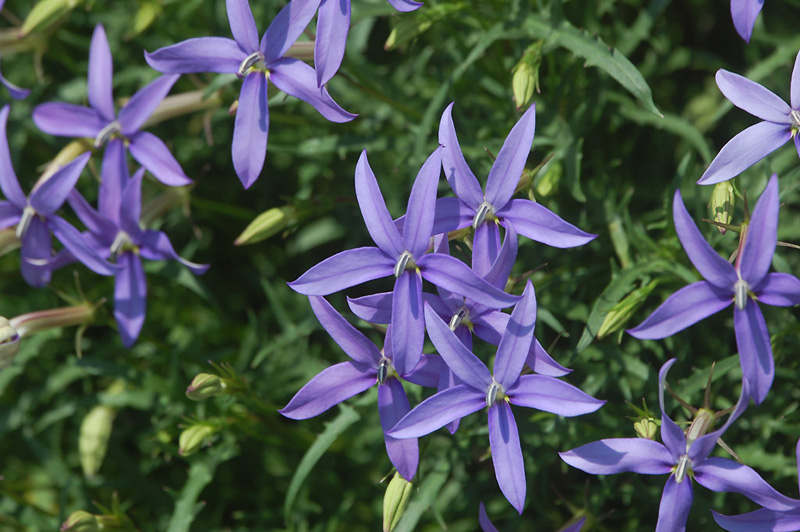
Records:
x=617, y=147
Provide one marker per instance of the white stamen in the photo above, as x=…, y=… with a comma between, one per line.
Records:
x=402, y=263
x=248, y=62
x=458, y=318
x=795, y=118
x=480, y=216
x=491, y=393
x=680, y=471
x=383, y=370
x=106, y=133
x=27, y=217
x=740, y=296
x=119, y=243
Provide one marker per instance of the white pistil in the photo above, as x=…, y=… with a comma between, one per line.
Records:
x=680, y=470
x=740, y=290
x=25, y=221
x=491, y=393
x=106, y=133
x=383, y=370
x=483, y=211
x=458, y=318
x=794, y=116
x=119, y=243
x=249, y=62
x=405, y=261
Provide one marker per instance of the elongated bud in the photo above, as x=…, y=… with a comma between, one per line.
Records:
x=93, y=440
x=80, y=521
x=722, y=204
x=395, y=501
x=205, y=385
x=47, y=13
x=42, y=320
x=703, y=422
x=646, y=428
x=547, y=182
x=193, y=438
x=267, y=224
x=623, y=311
x=9, y=343
x=526, y=75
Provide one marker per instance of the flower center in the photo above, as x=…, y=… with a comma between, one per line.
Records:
x=458, y=318
x=121, y=242
x=740, y=293
x=249, y=62
x=483, y=213
x=106, y=133
x=405, y=262
x=383, y=370
x=493, y=393
x=27, y=217
x=794, y=116
x=681, y=468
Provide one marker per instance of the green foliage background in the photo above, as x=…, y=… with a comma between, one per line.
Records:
x=614, y=168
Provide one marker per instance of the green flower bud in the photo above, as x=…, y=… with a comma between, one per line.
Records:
x=9, y=343
x=47, y=13
x=646, y=428
x=80, y=521
x=722, y=203
x=193, y=438
x=205, y=385
x=620, y=313
x=395, y=501
x=267, y=224
x=526, y=75
x=93, y=439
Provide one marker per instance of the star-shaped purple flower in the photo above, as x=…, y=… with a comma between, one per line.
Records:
x=497, y=392
x=781, y=123
x=256, y=63
x=764, y=519
x=744, y=13
x=744, y=285
x=403, y=256
x=369, y=366
x=101, y=122
x=682, y=457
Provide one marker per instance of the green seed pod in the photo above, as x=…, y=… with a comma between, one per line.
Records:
x=193, y=438
x=9, y=343
x=93, y=439
x=205, y=385
x=267, y=224
x=620, y=313
x=722, y=203
x=395, y=501
x=526, y=75
x=646, y=428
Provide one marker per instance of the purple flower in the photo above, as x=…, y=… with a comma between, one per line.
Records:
x=780, y=124
x=35, y=216
x=256, y=63
x=403, y=256
x=488, y=526
x=765, y=519
x=682, y=457
x=744, y=285
x=368, y=366
x=744, y=13
x=118, y=236
x=333, y=25
x=479, y=209
x=496, y=391
x=101, y=122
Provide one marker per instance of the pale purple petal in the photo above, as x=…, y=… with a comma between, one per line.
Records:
x=517, y=338
x=35, y=253
x=461, y=361
x=779, y=289
x=501, y=269
x=333, y=23
x=201, y=54
x=99, y=226
x=343, y=270
x=489, y=326
x=130, y=297
x=80, y=248
x=676, y=501
x=392, y=406
x=507, y=168
x=744, y=150
x=458, y=174
x=716, y=270
x=685, y=307
x=373, y=209
x=417, y=230
x=48, y=196
x=329, y=388
x=795, y=85
x=353, y=342
x=115, y=177
x=671, y=434
x=10, y=214
x=8, y=178
x=755, y=350
x=752, y=97
x=18, y=93
x=576, y=527
x=455, y=276
x=762, y=236
x=451, y=214
x=438, y=410
x=243, y=26
x=540, y=224
x=250, y=129
x=408, y=320
x=483, y=520
x=760, y=521
x=376, y=308
x=101, y=70
x=68, y=120
x=486, y=245
x=144, y=102
x=405, y=5
x=724, y=475
x=552, y=395
x=151, y=152
x=297, y=79
x=428, y=371
x=540, y=361
x=131, y=206
x=509, y=467
x=155, y=245
x=286, y=27
x=621, y=455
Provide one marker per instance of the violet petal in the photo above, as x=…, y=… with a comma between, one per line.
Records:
x=509, y=467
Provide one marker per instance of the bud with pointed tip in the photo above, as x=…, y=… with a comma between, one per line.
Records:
x=395, y=501
x=267, y=224
x=526, y=75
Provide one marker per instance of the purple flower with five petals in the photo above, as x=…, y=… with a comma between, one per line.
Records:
x=256, y=63
x=497, y=392
x=744, y=13
x=744, y=284
x=368, y=366
x=764, y=519
x=403, y=256
x=35, y=216
x=333, y=25
x=781, y=123
x=107, y=127
x=476, y=208
x=682, y=457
